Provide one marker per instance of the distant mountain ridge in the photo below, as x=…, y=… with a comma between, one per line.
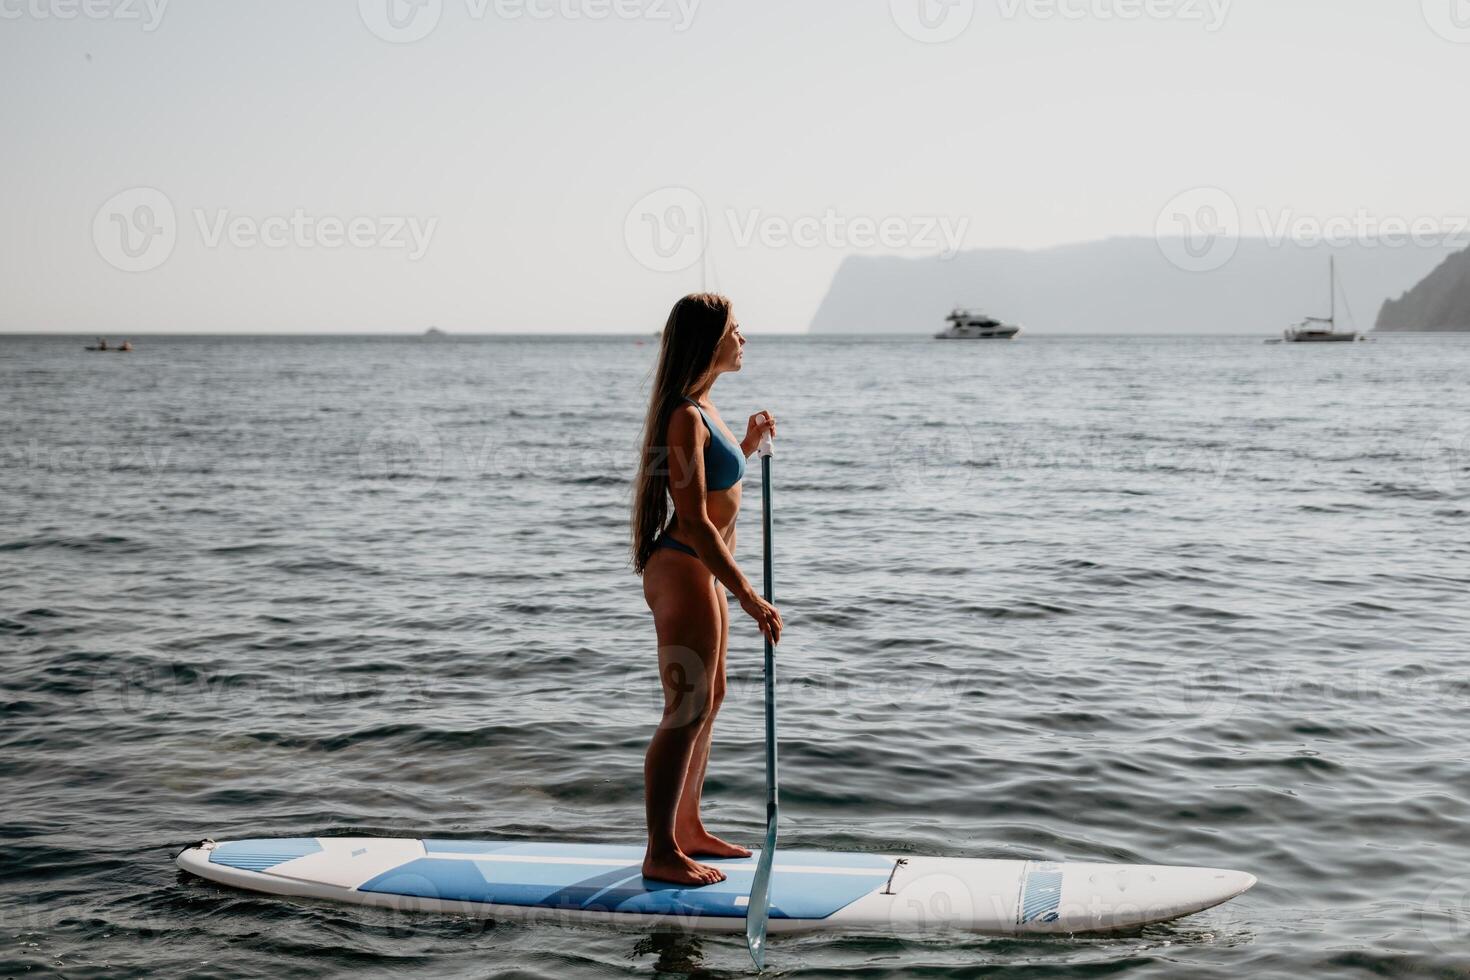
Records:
x=1441, y=302
x=1118, y=285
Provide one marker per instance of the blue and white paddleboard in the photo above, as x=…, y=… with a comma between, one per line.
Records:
x=810, y=890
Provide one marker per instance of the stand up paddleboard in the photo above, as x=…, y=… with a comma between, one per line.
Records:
x=768, y=892
x=809, y=890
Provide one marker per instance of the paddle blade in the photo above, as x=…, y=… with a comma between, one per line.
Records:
x=758, y=911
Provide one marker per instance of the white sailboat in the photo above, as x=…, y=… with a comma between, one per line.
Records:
x=1316, y=329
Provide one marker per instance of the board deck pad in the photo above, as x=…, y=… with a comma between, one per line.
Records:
x=805, y=885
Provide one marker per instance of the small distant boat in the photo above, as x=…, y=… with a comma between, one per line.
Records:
x=974, y=325
x=125, y=347
x=1316, y=329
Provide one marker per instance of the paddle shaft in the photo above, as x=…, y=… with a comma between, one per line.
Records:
x=771, y=786
x=760, y=890
x=771, y=657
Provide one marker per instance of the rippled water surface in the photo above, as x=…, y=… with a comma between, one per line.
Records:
x=1149, y=600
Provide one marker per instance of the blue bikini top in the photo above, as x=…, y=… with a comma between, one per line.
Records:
x=724, y=462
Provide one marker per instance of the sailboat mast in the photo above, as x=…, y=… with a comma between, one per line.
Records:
x=1332, y=288
x=703, y=252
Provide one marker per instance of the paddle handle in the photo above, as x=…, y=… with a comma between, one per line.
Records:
x=765, y=451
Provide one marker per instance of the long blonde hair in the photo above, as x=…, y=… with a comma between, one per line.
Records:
x=696, y=326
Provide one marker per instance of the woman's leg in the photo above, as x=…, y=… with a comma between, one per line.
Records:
x=689, y=829
x=680, y=592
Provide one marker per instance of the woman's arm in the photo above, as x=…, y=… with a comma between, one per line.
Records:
x=687, y=486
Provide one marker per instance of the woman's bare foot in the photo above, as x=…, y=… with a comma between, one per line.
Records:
x=702, y=843
x=678, y=869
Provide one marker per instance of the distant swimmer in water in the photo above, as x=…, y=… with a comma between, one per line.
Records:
x=687, y=564
x=126, y=345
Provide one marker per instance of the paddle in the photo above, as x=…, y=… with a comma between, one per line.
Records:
x=760, y=889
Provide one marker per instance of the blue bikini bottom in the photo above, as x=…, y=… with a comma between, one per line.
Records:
x=666, y=541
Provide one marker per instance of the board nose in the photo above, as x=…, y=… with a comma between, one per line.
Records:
x=1239, y=882
x=1225, y=884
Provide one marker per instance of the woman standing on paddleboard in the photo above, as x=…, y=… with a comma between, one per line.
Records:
x=687, y=564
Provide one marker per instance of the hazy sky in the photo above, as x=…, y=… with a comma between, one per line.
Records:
x=503, y=165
